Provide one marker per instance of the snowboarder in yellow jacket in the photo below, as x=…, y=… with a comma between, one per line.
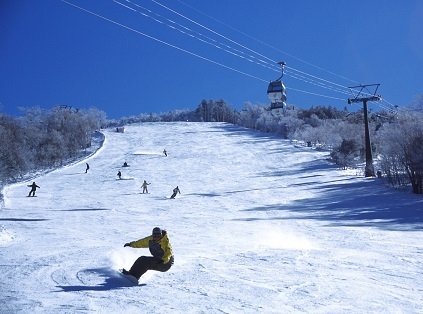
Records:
x=160, y=248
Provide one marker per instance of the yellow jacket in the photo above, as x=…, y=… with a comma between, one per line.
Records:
x=161, y=249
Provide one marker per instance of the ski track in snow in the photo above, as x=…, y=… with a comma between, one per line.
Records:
x=260, y=226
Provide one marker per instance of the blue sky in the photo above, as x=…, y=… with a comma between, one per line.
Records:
x=54, y=53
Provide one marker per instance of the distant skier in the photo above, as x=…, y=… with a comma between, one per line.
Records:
x=88, y=167
x=144, y=187
x=125, y=164
x=159, y=245
x=165, y=152
x=33, y=187
x=119, y=174
x=175, y=191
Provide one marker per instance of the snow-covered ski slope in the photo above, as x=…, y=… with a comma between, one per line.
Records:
x=260, y=226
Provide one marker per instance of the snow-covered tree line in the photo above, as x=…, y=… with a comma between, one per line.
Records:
x=396, y=137
x=43, y=139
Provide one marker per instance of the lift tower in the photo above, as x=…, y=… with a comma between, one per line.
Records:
x=369, y=170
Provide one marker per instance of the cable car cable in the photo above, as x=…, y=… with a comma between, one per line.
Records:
x=213, y=42
x=207, y=28
x=268, y=45
x=284, y=52
x=179, y=14
x=212, y=31
x=316, y=83
x=187, y=51
x=161, y=41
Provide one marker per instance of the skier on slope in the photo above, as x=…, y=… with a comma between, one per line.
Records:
x=159, y=245
x=144, y=187
x=175, y=191
x=33, y=187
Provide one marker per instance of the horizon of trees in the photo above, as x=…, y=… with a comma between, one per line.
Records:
x=50, y=138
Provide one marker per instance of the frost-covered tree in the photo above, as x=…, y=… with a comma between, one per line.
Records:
x=250, y=114
x=402, y=150
x=345, y=154
x=13, y=157
x=214, y=111
x=44, y=138
x=222, y=112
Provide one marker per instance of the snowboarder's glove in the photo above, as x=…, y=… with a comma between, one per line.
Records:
x=127, y=244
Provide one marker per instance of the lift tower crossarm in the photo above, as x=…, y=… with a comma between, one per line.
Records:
x=357, y=98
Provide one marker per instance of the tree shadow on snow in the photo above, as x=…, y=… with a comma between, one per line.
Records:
x=235, y=191
x=361, y=203
x=83, y=209
x=204, y=194
x=112, y=281
x=234, y=130
x=22, y=219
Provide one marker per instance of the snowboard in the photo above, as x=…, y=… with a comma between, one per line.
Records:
x=130, y=278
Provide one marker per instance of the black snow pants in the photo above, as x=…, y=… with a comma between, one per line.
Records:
x=144, y=263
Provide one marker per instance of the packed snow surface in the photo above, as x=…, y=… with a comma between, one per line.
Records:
x=260, y=226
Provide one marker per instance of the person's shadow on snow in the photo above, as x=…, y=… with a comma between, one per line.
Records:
x=112, y=281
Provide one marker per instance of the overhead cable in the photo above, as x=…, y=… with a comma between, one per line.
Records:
x=187, y=31
x=266, y=44
x=162, y=42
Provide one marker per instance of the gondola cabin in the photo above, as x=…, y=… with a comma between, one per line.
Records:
x=276, y=94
